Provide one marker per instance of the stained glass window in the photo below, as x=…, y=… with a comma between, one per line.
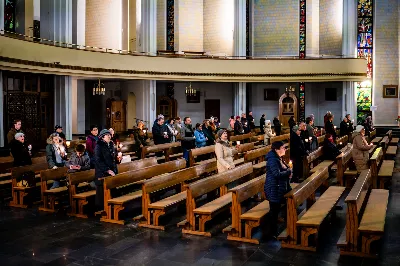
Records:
x=170, y=25
x=302, y=54
x=9, y=15
x=364, y=50
x=247, y=27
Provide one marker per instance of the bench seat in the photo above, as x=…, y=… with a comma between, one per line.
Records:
x=257, y=212
x=322, y=165
x=259, y=165
x=391, y=150
x=373, y=220
x=5, y=182
x=394, y=141
x=321, y=208
x=126, y=198
x=351, y=172
x=215, y=205
x=172, y=200
x=55, y=190
x=376, y=140
x=84, y=195
x=386, y=169
x=239, y=161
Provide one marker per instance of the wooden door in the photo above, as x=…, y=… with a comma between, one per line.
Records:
x=118, y=116
x=212, y=108
x=287, y=108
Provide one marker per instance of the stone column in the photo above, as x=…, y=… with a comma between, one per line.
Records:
x=239, y=101
x=239, y=32
x=1, y=17
x=56, y=20
x=149, y=97
x=63, y=104
x=78, y=106
x=349, y=49
x=2, y=106
x=78, y=22
x=148, y=27
x=29, y=18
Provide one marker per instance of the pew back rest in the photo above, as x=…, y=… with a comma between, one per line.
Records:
x=372, y=134
x=175, y=178
x=284, y=138
x=306, y=188
x=143, y=173
x=53, y=174
x=360, y=190
x=249, y=189
x=385, y=142
x=257, y=138
x=129, y=166
x=80, y=177
x=377, y=157
x=320, y=140
x=256, y=154
x=201, y=151
x=160, y=147
x=389, y=134
x=211, y=183
x=41, y=159
x=16, y=172
x=246, y=147
x=315, y=155
x=343, y=140
x=241, y=137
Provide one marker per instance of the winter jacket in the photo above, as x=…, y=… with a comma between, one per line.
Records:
x=140, y=138
x=200, y=139
x=250, y=122
x=20, y=153
x=104, y=159
x=11, y=134
x=330, y=128
x=238, y=128
x=245, y=125
x=277, y=126
x=291, y=123
x=262, y=123
x=159, y=133
x=268, y=134
x=330, y=150
x=277, y=180
x=171, y=133
x=297, y=148
x=224, y=154
x=360, y=152
x=83, y=162
x=187, y=136
x=91, y=141
x=51, y=154
x=209, y=135
x=369, y=127
x=344, y=128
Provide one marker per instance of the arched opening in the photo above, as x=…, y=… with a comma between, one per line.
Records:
x=287, y=108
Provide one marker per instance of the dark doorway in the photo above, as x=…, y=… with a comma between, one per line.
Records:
x=212, y=108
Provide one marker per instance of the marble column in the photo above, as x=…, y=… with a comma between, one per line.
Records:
x=78, y=106
x=148, y=27
x=239, y=33
x=239, y=101
x=349, y=49
x=149, y=98
x=2, y=136
x=63, y=104
x=78, y=22
x=1, y=17
x=56, y=20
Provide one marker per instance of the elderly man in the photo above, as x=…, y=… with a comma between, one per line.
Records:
x=297, y=151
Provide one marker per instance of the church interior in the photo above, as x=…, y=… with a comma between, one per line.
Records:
x=199, y=132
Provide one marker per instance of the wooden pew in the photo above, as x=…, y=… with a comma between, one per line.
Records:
x=114, y=205
x=257, y=158
x=343, y=161
x=5, y=168
x=320, y=140
x=151, y=211
x=342, y=141
x=207, y=211
x=49, y=196
x=20, y=194
x=365, y=217
x=372, y=135
x=165, y=148
x=309, y=221
x=193, y=153
x=381, y=170
x=242, y=138
x=285, y=138
x=392, y=141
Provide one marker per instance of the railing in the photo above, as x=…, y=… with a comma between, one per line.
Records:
x=167, y=53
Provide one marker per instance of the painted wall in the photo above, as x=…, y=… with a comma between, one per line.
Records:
x=276, y=27
x=330, y=27
x=161, y=24
x=386, y=67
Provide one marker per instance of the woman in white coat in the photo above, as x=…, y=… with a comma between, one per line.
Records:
x=268, y=132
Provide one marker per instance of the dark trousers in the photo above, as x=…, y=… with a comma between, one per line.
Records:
x=99, y=194
x=274, y=208
x=297, y=169
x=186, y=155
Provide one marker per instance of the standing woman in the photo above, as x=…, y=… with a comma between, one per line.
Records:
x=20, y=151
x=140, y=138
x=208, y=133
x=171, y=130
x=231, y=123
x=262, y=122
x=268, y=132
x=368, y=126
x=361, y=149
x=277, y=183
x=329, y=127
x=105, y=164
x=55, y=155
x=291, y=122
x=91, y=141
x=277, y=126
x=224, y=152
x=201, y=140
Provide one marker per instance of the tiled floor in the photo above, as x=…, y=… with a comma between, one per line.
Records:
x=29, y=237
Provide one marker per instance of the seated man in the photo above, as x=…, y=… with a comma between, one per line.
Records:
x=79, y=160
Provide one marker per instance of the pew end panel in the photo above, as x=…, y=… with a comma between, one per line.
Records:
x=78, y=199
x=49, y=196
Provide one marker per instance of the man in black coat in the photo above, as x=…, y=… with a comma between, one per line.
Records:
x=238, y=127
x=277, y=126
x=297, y=152
x=105, y=164
x=250, y=121
x=160, y=132
x=262, y=123
x=245, y=124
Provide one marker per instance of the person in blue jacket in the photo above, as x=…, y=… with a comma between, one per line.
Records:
x=277, y=183
x=201, y=140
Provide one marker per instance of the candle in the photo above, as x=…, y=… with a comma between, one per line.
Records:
x=340, y=143
x=290, y=164
x=335, y=127
x=120, y=146
x=119, y=154
x=306, y=140
x=29, y=147
x=68, y=143
x=144, y=131
x=310, y=138
x=237, y=142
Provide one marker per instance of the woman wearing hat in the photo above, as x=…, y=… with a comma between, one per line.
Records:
x=268, y=132
x=224, y=152
x=19, y=151
x=276, y=183
x=360, y=149
x=105, y=164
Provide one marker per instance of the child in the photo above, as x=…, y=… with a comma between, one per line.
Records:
x=79, y=160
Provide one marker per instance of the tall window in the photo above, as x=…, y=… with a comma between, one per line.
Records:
x=302, y=55
x=365, y=13
x=9, y=15
x=170, y=25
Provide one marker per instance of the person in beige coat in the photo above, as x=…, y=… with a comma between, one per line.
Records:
x=360, y=149
x=224, y=152
x=268, y=132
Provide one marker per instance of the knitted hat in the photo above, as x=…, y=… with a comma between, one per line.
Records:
x=220, y=132
x=296, y=128
x=359, y=128
x=20, y=134
x=104, y=132
x=267, y=122
x=57, y=127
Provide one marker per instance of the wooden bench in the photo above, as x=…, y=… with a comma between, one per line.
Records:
x=113, y=205
x=5, y=167
x=193, y=153
x=245, y=138
x=308, y=222
x=243, y=149
x=343, y=161
x=320, y=140
x=49, y=196
x=164, y=148
x=376, y=140
x=381, y=170
x=365, y=217
x=151, y=211
x=20, y=195
x=207, y=211
x=391, y=151
x=257, y=158
x=372, y=135
x=342, y=141
x=392, y=141
x=285, y=138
